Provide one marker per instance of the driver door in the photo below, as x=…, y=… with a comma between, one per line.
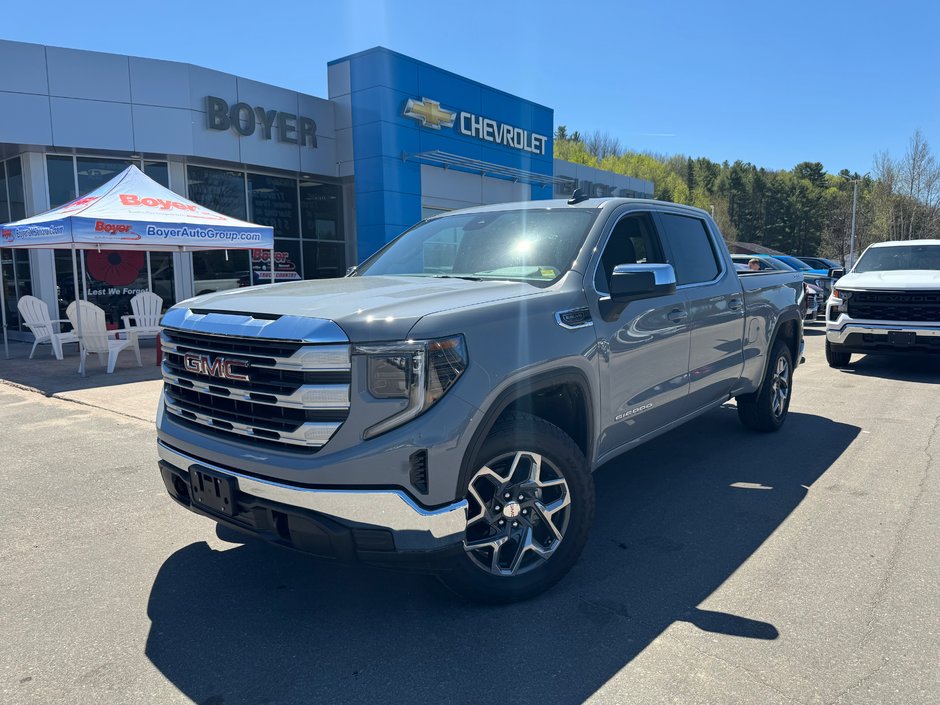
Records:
x=644, y=351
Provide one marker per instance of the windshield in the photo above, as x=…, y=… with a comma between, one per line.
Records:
x=533, y=245
x=795, y=263
x=884, y=259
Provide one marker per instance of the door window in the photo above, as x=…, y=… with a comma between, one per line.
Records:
x=692, y=249
x=632, y=241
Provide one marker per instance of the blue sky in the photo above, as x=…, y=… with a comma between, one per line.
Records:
x=777, y=84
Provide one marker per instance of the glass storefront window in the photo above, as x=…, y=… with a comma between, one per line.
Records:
x=16, y=283
x=213, y=272
x=218, y=190
x=61, y=171
x=161, y=277
x=324, y=260
x=159, y=172
x=274, y=202
x=94, y=172
x=65, y=287
x=4, y=201
x=321, y=211
x=15, y=190
x=287, y=258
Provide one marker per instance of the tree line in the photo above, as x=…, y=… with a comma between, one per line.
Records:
x=805, y=210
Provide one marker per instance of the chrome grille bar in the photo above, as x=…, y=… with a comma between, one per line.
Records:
x=298, y=399
x=317, y=396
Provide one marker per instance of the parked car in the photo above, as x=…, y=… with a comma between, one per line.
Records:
x=766, y=263
x=815, y=302
x=818, y=277
x=451, y=420
x=888, y=303
x=820, y=264
x=799, y=264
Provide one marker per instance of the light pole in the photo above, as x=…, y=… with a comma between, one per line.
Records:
x=854, y=204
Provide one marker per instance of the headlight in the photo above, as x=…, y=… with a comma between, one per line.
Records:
x=420, y=371
x=839, y=299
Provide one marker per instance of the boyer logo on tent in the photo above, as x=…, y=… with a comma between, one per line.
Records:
x=123, y=231
x=131, y=200
x=7, y=234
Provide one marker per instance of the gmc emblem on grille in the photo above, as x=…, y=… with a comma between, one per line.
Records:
x=219, y=367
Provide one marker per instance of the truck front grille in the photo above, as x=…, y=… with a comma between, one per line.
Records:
x=289, y=393
x=921, y=306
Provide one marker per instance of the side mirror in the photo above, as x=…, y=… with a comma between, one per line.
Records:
x=640, y=281
x=837, y=272
x=631, y=282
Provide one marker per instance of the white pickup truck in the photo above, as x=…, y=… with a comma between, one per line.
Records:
x=888, y=303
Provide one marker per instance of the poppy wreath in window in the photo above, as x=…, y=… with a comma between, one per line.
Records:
x=115, y=267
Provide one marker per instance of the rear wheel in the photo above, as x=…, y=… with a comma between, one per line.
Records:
x=835, y=357
x=530, y=507
x=767, y=409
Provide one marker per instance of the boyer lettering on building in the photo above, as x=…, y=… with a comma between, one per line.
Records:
x=245, y=120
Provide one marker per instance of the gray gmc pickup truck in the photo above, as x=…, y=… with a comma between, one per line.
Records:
x=443, y=406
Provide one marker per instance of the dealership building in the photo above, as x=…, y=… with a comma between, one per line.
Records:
x=395, y=141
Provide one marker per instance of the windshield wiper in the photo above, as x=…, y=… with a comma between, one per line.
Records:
x=457, y=276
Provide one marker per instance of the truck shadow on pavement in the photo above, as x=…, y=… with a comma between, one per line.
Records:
x=903, y=368
x=675, y=519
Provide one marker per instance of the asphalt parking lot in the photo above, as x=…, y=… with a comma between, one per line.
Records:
x=724, y=567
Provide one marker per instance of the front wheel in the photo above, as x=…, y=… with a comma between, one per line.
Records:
x=530, y=507
x=767, y=409
x=835, y=357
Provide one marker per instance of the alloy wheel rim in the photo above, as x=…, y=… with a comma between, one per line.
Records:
x=519, y=506
x=780, y=386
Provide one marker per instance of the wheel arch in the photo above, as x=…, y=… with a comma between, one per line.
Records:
x=790, y=328
x=539, y=395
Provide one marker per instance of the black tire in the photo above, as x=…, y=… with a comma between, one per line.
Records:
x=835, y=357
x=766, y=410
x=516, y=436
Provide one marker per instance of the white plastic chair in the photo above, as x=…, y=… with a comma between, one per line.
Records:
x=35, y=314
x=147, y=308
x=96, y=338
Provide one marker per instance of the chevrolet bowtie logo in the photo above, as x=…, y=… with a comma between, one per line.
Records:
x=430, y=113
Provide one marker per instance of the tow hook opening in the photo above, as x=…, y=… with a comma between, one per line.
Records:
x=182, y=490
x=280, y=524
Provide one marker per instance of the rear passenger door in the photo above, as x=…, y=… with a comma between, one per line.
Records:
x=716, y=306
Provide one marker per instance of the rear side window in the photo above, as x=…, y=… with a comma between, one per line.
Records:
x=695, y=258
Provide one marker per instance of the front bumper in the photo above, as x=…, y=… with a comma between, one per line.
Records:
x=374, y=525
x=867, y=336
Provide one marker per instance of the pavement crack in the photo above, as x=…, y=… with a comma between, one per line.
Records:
x=858, y=683
x=55, y=395
x=899, y=539
x=753, y=675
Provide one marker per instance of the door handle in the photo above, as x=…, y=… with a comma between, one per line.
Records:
x=677, y=315
x=735, y=304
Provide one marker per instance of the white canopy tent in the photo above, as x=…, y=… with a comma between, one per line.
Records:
x=131, y=211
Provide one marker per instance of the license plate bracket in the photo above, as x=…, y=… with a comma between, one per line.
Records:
x=902, y=338
x=212, y=490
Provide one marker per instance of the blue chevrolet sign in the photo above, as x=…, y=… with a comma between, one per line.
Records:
x=406, y=113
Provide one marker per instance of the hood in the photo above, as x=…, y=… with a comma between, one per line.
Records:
x=893, y=280
x=366, y=308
